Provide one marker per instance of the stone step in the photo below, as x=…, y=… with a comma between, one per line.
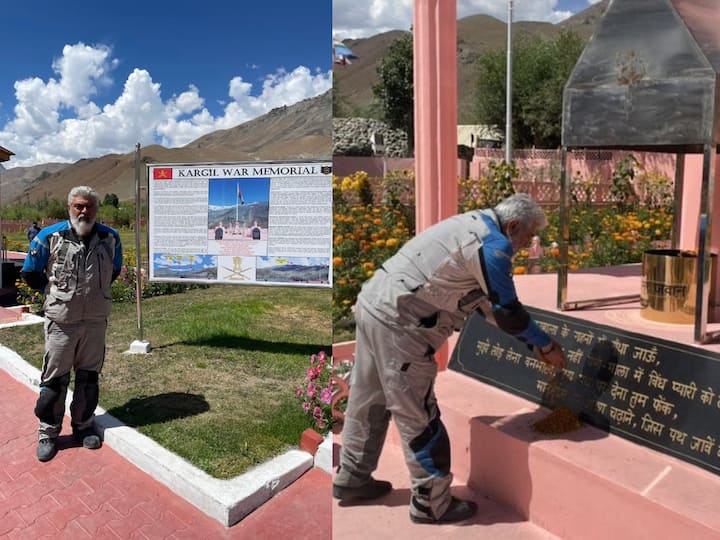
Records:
x=387, y=517
x=586, y=484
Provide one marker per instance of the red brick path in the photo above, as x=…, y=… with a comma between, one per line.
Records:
x=98, y=494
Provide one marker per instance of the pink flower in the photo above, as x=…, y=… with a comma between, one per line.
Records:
x=311, y=390
x=317, y=412
x=313, y=358
x=311, y=373
x=320, y=423
x=298, y=392
x=326, y=395
x=306, y=407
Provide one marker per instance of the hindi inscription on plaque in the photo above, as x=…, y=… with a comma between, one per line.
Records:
x=652, y=391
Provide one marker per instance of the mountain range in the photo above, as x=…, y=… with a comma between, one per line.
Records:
x=475, y=34
x=299, y=131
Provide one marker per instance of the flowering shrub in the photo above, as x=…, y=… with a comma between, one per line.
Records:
x=600, y=237
x=27, y=296
x=368, y=227
x=315, y=393
x=491, y=188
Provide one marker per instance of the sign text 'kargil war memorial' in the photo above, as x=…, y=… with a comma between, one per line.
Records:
x=262, y=223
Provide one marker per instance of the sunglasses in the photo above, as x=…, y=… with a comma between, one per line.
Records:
x=81, y=207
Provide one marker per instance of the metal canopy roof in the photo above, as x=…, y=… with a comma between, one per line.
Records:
x=647, y=79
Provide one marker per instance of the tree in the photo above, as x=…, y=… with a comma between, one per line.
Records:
x=111, y=200
x=541, y=67
x=394, y=90
x=338, y=102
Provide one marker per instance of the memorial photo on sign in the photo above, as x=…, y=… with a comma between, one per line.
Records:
x=185, y=266
x=238, y=212
x=293, y=269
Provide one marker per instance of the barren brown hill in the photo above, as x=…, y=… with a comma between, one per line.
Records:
x=475, y=34
x=299, y=131
x=15, y=181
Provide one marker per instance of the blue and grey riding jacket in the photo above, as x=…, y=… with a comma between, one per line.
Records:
x=75, y=275
x=440, y=277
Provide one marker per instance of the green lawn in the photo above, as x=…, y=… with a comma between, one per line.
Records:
x=218, y=386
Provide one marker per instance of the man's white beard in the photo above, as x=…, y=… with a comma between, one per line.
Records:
x=82, y=226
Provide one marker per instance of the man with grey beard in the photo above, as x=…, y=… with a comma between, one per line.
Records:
x=73, y=262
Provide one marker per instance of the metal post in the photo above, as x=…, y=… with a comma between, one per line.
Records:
x=562, y=286
x=139, y=345
x=508, y=89
x=703, y=274
x=138, y=269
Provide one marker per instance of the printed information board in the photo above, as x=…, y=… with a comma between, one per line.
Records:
x=246, y=223
x=655, y=392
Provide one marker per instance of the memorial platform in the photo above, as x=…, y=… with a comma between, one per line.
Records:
x=619, y=480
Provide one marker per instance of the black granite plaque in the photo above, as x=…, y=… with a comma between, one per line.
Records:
x=649, y=390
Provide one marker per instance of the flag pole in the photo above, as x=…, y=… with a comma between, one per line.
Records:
x=508, y=87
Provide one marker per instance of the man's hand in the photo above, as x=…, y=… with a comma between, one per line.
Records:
x=551, y=354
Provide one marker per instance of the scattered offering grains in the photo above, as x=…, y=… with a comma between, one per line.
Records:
x=561, y=420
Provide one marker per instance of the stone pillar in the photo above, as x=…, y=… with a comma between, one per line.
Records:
x=435, y=81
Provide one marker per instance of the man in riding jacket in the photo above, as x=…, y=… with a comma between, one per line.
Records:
x=404, y=313
x=73, y=262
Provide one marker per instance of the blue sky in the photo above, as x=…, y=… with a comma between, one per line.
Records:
x=223, y=192
x=87, y=78
x=353, y=19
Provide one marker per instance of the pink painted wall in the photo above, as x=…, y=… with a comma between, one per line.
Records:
x=690, y=212
x=347, y=165
x=540, y=169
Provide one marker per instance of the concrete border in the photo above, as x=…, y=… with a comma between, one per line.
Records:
x=228, y=501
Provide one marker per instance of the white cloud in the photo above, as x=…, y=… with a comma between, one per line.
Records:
x=353, y=19
x=56, y=120
x=278, y=89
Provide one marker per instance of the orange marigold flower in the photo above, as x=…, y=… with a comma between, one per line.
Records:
x=337, y=261
x=519, y=270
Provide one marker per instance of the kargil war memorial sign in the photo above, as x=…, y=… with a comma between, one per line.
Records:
x=261, y=223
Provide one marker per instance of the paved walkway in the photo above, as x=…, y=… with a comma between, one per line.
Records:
x=98, y=494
